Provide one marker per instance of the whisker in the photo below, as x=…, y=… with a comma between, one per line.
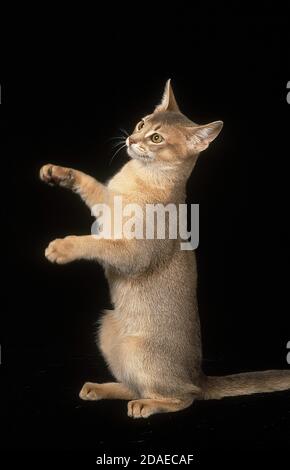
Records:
x=124, y=132
x=115, y=140
x=119, y=143
x=117, y=151
x=118, y=137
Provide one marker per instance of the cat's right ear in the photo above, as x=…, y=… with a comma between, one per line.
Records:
x=168, y=102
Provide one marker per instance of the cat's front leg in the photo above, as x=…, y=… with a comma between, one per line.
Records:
x=90, y=190
x=126, y=256
x=72, y=247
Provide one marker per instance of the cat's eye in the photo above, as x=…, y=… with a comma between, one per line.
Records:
x=156, y=138
x=140, y=125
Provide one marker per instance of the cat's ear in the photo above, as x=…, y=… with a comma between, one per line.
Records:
x=168, y=102
x=200, y=137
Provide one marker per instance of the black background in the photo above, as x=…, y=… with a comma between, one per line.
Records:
x=61, y=103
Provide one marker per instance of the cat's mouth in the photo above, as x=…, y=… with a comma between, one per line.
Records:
x=134, y=152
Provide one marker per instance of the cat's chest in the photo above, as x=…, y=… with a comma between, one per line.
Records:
x=123, y=182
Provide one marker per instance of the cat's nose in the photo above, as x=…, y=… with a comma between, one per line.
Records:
x=131, y=140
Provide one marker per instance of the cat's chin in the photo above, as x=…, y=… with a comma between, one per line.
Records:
x=139, y=156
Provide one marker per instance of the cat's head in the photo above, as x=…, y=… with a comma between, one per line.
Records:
x=168, y=136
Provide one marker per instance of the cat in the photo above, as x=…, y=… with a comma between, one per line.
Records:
x=151, y=339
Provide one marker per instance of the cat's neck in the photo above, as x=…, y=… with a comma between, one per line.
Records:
x=161, y=175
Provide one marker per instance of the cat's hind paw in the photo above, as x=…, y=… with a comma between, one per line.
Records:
x=90, y=392
x=140, y=409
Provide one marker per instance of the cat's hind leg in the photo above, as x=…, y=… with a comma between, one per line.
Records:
x=111, y=390
x=145, y=407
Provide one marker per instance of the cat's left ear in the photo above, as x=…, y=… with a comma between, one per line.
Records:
x=199, y=137
x=168, y=102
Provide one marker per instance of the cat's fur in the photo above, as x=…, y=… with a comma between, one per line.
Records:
x=151, y=340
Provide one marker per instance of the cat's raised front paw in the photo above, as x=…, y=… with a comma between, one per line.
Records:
x=57, y=175
x=62, y=250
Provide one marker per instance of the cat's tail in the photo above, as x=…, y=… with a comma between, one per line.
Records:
x=245, y=384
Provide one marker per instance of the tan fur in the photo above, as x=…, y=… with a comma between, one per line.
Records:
x=113, y=391
x=151, y=340
x=146, y=407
